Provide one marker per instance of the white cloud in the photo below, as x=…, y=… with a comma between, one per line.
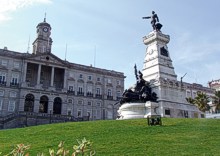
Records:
x=9, y=6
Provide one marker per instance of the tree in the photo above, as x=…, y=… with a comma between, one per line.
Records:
x=216, y=101
x=190, y=100
x=201, y=101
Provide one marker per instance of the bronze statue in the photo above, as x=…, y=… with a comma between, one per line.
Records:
x=140, y=93
x=154, y=21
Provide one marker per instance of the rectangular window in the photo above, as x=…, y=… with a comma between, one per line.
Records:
x=71, y=88
x=80, y=76
x=98, y=79
x=167, y=112
x=70, y=101
x=89, y=103
x=98, y=91
x=118, y=82
x=80, y=90
x=1, y=92
x=188, y=94
x=4, y=62
x=16, y=64
x=14, y=79
x=109, y=93
x=90, y=78
x=2, y=77
x=13, y=94
x=80, y=102
x=11, y=106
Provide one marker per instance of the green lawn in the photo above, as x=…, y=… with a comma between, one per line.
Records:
x=128, y=137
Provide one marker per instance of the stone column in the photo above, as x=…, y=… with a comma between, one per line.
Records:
x=64, y=79
x=52, y=77
x=25, y=72
x=38, y=74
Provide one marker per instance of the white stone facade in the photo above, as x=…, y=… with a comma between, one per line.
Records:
x=43, y=83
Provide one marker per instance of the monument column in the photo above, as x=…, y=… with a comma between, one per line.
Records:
x=157, y=62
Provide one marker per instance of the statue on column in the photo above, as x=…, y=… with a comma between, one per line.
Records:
x=154, y=21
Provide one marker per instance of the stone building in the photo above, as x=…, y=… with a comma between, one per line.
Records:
x=214, y=84
x=43, y=83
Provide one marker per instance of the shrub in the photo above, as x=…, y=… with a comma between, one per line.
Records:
x=83, y=148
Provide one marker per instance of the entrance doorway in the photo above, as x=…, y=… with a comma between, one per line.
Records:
x=57, y=105
x=43, y=107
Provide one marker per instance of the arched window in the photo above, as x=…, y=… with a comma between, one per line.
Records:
x=57, y=105
x=43, y=107
x=29, y=103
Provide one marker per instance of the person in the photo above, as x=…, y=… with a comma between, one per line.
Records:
x=154, y=19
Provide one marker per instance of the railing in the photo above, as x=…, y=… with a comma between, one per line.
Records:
x=3, y=83
x=12, y=84
x=109, y=97
x=98, y=96
x=80, y=93
x=71, y=92
x=89, y=94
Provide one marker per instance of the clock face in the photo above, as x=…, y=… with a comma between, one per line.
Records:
x=45, y=29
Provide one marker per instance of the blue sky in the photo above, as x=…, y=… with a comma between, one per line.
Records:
x=113, y=29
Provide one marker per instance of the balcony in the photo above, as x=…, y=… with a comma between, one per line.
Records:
x=12, y=84
x=2, y=83
x=109, y=97
x=71, y=92
x=89, y=94
x=98, y=96
x=80, y=93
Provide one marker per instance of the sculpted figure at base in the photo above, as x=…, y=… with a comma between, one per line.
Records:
x=154, y=21
x=140, y=93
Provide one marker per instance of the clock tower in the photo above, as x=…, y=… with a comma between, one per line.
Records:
x=157, y=62
x=43, y=42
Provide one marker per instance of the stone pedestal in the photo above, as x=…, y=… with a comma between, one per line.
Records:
x=137, y=110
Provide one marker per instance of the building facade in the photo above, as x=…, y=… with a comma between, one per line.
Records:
x=43, y=83
x=214, y=84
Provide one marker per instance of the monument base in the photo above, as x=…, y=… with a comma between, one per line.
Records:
x=137, y=110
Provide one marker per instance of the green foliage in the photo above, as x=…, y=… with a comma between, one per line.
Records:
x=84, y=148
x=201, y=101
x=190, y=100
x=217, y=100
x=19, y=150
x=126, y=137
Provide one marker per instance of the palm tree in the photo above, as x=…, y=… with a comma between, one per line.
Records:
x=201, y=101
x=190, y=100
x=217, y=101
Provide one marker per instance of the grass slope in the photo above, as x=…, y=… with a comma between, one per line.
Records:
x=127, y=137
